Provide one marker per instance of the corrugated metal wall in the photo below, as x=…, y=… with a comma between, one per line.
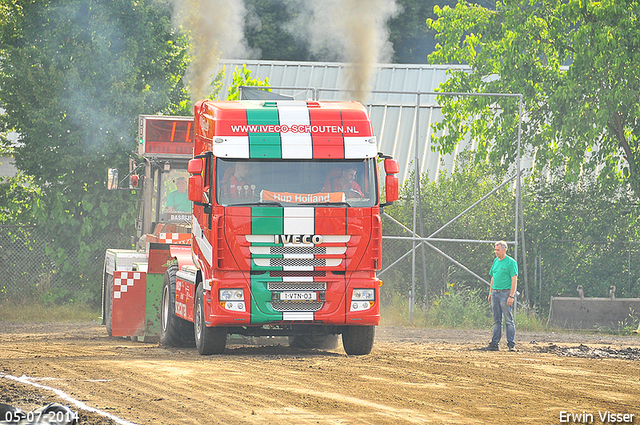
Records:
x=393, y=114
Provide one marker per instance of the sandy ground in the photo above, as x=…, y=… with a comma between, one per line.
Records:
x=412, y=376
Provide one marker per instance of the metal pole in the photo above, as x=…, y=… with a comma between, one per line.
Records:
x=425, y=300
x=522, y=229
x=424, y=241
x=518, y=192
x=629, y=294
x=416, y=196
x=474, y=204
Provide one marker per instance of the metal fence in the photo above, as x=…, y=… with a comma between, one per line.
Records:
x=30, y=273
x=556, y=267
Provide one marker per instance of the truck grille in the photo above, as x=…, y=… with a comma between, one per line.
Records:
x=297, y=286
x=298, y=262
x=293, y=250
x=294, y=273
x=266, y=252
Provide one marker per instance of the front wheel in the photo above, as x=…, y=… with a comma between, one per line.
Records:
x=209, y=340
x=174, y=330
x=358, y=340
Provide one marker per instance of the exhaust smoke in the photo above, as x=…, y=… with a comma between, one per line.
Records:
x=353, y=31
x=216, y=29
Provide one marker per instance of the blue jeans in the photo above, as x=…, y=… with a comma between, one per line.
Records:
x=499, y=307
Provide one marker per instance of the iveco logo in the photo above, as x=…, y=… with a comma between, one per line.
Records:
x=314, y=239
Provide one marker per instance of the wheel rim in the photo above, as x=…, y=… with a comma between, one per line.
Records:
x=198, y=321
x=165, y=308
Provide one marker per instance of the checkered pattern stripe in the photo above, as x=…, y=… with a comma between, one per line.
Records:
x=175, y=238
x=127, y=279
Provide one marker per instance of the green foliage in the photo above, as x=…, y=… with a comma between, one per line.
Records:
x=528, y=319
x=30, y=311
x=266, y=29
x=271, y=29
x=441, y=201
x=460, y=308
x=575, y=63
x=242, y=77
x=412, y=40
x=75, y=76
x=17, y=196
x=584, y=233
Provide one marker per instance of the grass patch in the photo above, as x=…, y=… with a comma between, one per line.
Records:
x=460, y=308
x=528, y=320
x=11, y=311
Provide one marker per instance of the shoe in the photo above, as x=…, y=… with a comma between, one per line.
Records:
x=513, y=349
x=489, y=347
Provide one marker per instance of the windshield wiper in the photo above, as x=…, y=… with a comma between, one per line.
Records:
x=257, y=204
x=330, y=204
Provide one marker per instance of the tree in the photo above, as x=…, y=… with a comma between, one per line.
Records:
x=266, y=30
x=242, y=77
x=576, y=64
x=412, y=40
x=276, y=30
x=17, y=196
x=583, y=233
x=441, y=201
x=74, y=77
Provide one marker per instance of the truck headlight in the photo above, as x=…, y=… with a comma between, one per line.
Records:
x=232, y=299
x=362, y=299
x=231, y=294
x=363, y=295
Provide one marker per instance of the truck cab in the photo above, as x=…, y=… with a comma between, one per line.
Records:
x=287, y=234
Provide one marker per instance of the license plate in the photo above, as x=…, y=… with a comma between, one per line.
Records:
x=298, y=296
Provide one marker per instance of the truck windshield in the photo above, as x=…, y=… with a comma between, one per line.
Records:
x=297, y=182
x=170, y=197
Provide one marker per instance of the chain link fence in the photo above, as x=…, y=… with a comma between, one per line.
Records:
x=424, y=270
x=554, y=268
x=30, y=273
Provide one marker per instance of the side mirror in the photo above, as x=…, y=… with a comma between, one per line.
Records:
x=391, y=166
x=196, y=189
x=112, y=179
x=196, y=183
x=195, y=166
x=391, y=181
x=391, y=188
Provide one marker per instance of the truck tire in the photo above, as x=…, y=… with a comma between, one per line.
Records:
x=174, y=330
x=358, y=340
x=321, y=342
x=209, y=340
x=108, y=302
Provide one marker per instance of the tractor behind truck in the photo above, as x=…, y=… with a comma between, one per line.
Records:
x=132, y=278
x=284, y=237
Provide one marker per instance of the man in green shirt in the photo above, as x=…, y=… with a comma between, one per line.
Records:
x=504, y=284
x=178, y=200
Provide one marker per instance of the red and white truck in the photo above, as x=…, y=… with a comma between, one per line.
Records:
x=286, y=233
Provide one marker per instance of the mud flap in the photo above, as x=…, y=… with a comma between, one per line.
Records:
x=129, y=303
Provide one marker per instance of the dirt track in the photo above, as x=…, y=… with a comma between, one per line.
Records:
x=411, y=376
